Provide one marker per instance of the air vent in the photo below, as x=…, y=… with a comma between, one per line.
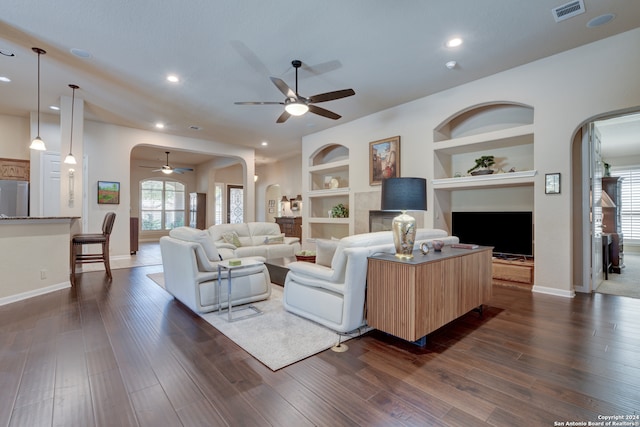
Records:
x=568, y=10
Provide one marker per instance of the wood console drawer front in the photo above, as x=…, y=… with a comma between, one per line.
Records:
x=513, y=272
x=412, y=300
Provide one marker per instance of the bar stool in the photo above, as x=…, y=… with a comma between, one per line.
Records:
x=77, y=257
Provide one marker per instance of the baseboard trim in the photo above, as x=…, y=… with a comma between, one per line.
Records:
x=34, y=293
x=553, y=291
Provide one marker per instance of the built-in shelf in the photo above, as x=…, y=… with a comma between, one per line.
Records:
x=328, y=168
x=520, y=135
x=329, y=192
x=318, y=220
x=507, y=179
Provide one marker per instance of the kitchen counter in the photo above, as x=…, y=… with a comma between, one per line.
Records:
x=34, y=255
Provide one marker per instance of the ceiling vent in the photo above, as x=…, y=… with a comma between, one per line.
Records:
x=568, y=10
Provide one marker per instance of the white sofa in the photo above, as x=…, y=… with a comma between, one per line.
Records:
x=253, y=239
x=189, y=260
x=333, y=294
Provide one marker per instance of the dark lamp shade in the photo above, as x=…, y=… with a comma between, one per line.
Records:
x=404, y=194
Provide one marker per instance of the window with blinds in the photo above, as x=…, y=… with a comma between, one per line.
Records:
x=630, y=202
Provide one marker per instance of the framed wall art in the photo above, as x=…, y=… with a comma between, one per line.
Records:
x=552, y=183
x=384, y=160
x=108, y=193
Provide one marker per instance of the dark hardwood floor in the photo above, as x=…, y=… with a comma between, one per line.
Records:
x=126, y=353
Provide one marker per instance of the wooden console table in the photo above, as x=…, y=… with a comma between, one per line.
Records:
x=516, y=273
x=412, y=298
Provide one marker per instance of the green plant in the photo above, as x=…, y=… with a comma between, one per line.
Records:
x=340, y=211
x=483, y=162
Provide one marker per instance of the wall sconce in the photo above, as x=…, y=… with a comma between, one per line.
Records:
x=255, y=178
x=72, y=173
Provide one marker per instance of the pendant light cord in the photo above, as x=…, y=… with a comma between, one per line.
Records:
x=73, y=103
x=38, y=94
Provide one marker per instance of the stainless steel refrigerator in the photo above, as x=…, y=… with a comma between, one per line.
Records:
x=14, y=198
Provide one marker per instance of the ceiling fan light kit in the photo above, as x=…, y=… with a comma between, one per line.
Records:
x=296, y=105
x=168, y=170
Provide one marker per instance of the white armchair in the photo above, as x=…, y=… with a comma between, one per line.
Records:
x=189, y=260
x=332, y=291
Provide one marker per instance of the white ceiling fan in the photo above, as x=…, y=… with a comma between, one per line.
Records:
x=168, y=169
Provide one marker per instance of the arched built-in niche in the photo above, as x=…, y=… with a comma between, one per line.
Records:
x=501, y=129
x=328, y=187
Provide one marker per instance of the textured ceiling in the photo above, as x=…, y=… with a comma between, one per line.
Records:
x=389, y=52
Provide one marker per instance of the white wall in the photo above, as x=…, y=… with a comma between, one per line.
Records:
x=14, y=143
x=107, y=150
x=565, y=90
x=287, y=173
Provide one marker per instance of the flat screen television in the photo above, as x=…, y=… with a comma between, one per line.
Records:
x=510, y=233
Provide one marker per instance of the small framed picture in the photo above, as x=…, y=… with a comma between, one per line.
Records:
x=552, y=183
x=108, y=192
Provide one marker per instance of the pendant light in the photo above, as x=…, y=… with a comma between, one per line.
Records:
x=70, y=160
x=38, y=143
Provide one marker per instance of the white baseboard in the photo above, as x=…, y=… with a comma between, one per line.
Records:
x=554, y=291
x=34, y=293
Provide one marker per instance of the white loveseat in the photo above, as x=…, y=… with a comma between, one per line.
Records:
x=334, y=294
x=189, y=260
x=253, y=239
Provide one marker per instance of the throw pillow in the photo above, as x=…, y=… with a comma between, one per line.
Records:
x=325, y=250
x=232, y=238
x=273, y=240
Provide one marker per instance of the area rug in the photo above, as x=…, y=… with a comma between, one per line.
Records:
x=276, y=338
x=627, y=283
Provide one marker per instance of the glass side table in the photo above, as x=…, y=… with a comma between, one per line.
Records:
x=224, y=266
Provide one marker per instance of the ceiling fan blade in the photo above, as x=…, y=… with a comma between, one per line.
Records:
x=283, y=117
x=181, y=170
x=259, y=103
x=330, y=96
x=322, y=112
x=284, y=88
x=157, y=170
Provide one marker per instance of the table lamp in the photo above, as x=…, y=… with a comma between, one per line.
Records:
x=404, y=194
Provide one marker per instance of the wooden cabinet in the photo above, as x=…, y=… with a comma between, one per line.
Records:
x=290, y=226
x=198, y=210
x=612, y=222
x=516, y=273
x=133, y=235
x=412, y=298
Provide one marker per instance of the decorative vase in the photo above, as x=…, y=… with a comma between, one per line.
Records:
x=437, y=245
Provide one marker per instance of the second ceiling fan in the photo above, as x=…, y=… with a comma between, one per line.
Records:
x=297, y=105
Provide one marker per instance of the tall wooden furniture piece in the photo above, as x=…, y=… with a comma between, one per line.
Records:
x=412, y=298
x=291, y=226
x=133, y=235
x=612, y=221
x=198, y=210
x=79, y=240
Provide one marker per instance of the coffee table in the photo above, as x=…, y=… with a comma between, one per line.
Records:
x=278, y=269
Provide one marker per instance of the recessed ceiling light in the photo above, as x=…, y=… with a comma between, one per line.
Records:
x=194, y=127
x=451, y=65
x=173, y=78
x=264, y=143
x=160, y=125
x=54, y=107
x=5, y=79
x=454, y=42
x=81, y=53
x=601, y=20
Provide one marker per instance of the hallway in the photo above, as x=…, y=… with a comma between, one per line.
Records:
x=626, y=283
